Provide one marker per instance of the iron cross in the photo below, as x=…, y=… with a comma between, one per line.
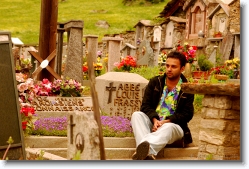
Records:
x=71, y=129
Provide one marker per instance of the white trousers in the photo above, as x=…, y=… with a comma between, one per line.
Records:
x=142, y=129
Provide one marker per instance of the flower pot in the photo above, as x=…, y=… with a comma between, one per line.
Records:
x=235, y=74
x=200, y=74
x=221, y=77
x=217, y=36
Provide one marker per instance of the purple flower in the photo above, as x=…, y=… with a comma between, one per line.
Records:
x=111, y=125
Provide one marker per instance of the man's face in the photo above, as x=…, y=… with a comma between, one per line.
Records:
x=173, y=68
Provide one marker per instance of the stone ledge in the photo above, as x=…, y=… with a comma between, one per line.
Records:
x=32, y=152
x=117, y=153
x=231, y=89
x=61, y=142
x=115, y=148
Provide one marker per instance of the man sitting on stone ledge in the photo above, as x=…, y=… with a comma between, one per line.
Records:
x=165, y=111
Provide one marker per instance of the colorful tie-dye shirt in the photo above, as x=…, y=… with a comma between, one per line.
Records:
x=168, y=101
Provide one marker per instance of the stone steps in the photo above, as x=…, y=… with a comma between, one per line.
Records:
x=115, y=149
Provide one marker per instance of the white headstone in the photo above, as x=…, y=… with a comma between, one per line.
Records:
x=169, y=35
x=157, y=34
x=17, y=42
x=222, y=24
x=83, y=136
x=120, y=93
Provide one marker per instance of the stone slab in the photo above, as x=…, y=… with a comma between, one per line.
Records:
x=60, y=106
x=10, y=121
x=120, y=93
x=83, y=136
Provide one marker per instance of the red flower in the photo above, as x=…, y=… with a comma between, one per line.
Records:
x=84, y=68
x=24, y=125
x=45, y=81
x=127, y=63
x=188, y=51
x=27, y=110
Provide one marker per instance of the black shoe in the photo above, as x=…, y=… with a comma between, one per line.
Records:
x=150, y=157
x=142, y=151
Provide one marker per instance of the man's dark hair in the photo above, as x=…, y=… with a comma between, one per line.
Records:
x=178, y=55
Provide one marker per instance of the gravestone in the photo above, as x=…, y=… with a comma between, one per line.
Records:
x=120, y=93
x=237, y=45
x=128, y=49
x=10, y=121
x=169, y=35
x=212, y=57
x=157, y=33
x=93, y=39
x=226, y=46
x=145, y=54
x=83, y=136
x=61, y=106
x=113, y=50
x=74, y=61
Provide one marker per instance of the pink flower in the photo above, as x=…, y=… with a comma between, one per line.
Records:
x=20, y=77
x=22, y=87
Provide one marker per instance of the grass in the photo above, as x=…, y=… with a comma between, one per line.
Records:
x=22, y=17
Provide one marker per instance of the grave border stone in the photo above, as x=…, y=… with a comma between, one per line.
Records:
x=17, y=149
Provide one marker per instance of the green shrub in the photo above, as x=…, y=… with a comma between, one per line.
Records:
x=204, y=63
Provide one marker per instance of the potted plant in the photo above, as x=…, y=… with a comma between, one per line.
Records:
x=205, y=66
x=217, y=34
x=234, y=64
x=222, y=72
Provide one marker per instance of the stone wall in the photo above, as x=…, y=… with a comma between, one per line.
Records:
x=219, y=136
x=220, y=128
x=233, y=16
x=129, y=37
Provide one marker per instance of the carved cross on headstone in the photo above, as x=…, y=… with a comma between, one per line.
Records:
x=71, y=129
x=44, y=64
x=110, y=89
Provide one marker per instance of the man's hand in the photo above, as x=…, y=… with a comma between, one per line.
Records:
x=158, y=124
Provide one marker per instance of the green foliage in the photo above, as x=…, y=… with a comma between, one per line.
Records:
x=108, y=132
x=198, y=102
x=119, y=16
x=147, y=72
x=209, y=157
x=44, y=132
x=155, y=1
x=76, y=156
x=86, y=91
x=40, y=155
x=141, y=2
x=10, y=141
x=204, y=63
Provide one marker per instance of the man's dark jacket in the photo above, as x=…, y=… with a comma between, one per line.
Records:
x=184, y=110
